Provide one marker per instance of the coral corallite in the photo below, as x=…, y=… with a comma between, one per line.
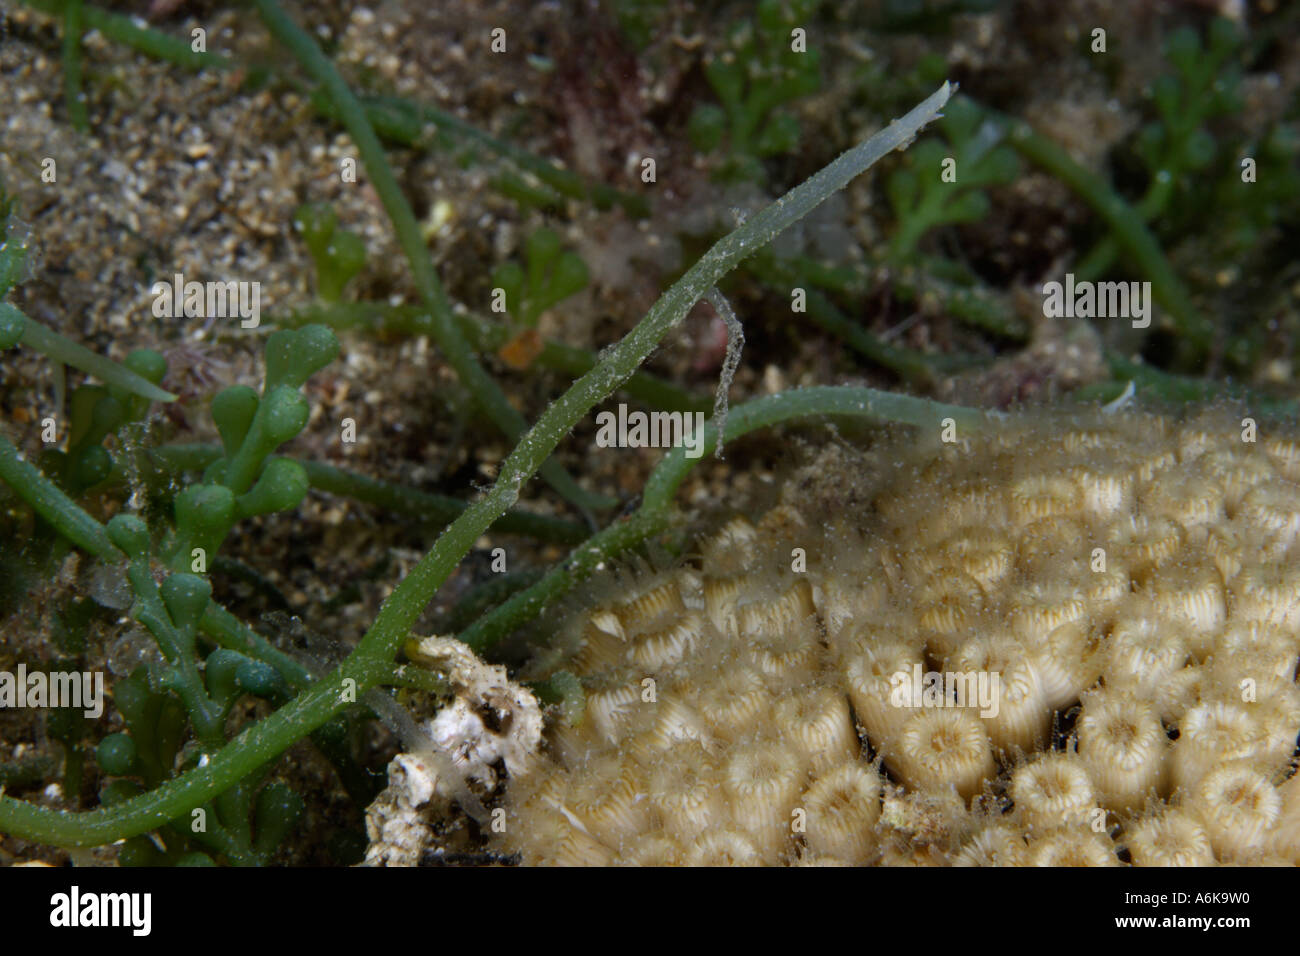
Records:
x=1059, y=641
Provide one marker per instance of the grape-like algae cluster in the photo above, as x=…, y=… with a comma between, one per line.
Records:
x=1129, y=584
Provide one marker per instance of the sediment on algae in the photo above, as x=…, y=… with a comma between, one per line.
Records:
x=1132, y=581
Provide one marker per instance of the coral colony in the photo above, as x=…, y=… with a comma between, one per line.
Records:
x=1132, y=576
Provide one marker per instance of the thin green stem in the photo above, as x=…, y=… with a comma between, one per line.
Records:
x=49, y=501
x=408, y=122
x=573, y=361
x=619, y=538
x=53, y=345
x=978, y=309
x=399, y=499
x=483, y=597
x=226, y=630
x=73, y=97
x=487, y=336
x=1179, y=389
x=1125, y=224
x=910, y=365
x=152, y=43
x=442, y=324
x=1102, y=255
x=417, y=678
x=431, y=508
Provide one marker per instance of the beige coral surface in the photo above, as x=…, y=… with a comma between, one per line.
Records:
x=1128, y=585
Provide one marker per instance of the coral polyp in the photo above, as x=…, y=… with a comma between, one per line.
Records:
x=1026, y=649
